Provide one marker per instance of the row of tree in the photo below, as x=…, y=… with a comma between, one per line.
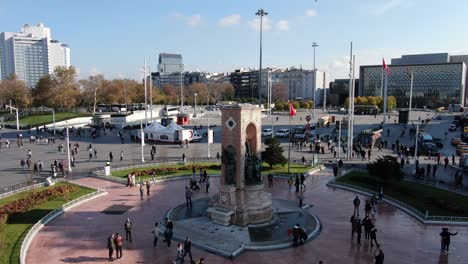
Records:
x=373, y=101
x=296, y=104
x=61, y=89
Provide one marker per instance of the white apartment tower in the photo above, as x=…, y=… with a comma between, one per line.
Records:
x=31, y=54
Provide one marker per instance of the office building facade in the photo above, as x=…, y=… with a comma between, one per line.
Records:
x=339, y=91
x=302, y=83
x=170, y=63
x=434, y=85
x=31, y=54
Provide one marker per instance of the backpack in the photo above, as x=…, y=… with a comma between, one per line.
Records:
x=128, y=225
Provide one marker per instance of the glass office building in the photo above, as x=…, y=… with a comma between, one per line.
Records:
x=434, y=85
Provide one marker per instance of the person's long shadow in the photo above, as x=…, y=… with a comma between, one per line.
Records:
x=84, y=259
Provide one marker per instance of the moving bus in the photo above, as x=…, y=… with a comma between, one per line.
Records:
x=366, y=110
x=171, y=111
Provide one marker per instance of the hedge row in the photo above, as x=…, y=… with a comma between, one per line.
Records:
x=165, y=170
x=24, y=204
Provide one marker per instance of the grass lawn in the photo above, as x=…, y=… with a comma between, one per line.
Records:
x=39, y=120
x=422, y=197
x=295, y=168
x=18, y=225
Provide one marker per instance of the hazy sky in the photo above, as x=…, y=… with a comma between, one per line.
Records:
x=113, y=36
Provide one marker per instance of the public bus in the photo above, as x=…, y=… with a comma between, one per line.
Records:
x=366, y=110
x=171, y=110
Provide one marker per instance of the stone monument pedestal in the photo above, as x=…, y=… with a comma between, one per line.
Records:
x=241, y=195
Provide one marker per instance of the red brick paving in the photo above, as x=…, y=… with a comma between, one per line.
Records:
x=79, y=236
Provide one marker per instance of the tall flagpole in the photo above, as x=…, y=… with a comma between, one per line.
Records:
x=289, y=141
x=351, y=99
x=385, y=99
x=146, y=95
x=151, y=96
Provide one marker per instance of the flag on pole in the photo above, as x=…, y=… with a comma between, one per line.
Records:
x=292, y=111
x=386, y=68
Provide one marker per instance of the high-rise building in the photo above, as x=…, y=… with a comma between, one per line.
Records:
x=438, y=80
x=339, y=91
x=170, y=63
x=31, y=54
x=301, y=83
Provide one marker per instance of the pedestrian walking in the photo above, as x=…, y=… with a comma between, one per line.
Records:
x=356, y=203
x=367, y=223
x=352, y=219
x=148, y=186
x=296, y=234
x=302, y=181
x=142, y=191
x=373, y=236
x=301, y=198
x=297, y=183
x=270, y=180
x=445, y=240
x=367, y=208
x=111, y=156
x=118, y=244
x=188, y=196
x=446, y=162
x=128, y=230
x=95, y=153
x=155, y=234
x=121, y=155
x=187, y=249
x=358, y=229
x=434, y=170
x=180, y=254
x=111, y=246
x=168, y=227
x=290, y=182
x=207, y=182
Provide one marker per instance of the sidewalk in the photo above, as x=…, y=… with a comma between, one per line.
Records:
x=80, y=234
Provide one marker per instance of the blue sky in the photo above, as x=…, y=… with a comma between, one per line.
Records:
x=113, y=36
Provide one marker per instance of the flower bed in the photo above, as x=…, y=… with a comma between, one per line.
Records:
x=166, y=170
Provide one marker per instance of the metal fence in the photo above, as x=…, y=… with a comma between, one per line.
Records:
x=49, y=217
x=424, y=218
x=16, y=188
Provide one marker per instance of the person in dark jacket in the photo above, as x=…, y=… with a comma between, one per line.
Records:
x=367, y=223
x=356, y=203
x=379, y=256
x=358, y=229
x=295, y=233
x=187, y=249
x=111, y=246
x=353, y=230
x=445, y=239
x=373, y=236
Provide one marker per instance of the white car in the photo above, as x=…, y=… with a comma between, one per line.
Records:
x=282, y=133
x=196, y=137
x=452, y=127
x=267, y=132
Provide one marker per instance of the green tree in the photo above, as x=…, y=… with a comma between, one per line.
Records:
x=273, y=153
x=296, y=105
x=15, y=90
x=371, y=100
x=391, y=102
x=64, y=90
x=279, y=106
x=360, y=100
x=304, y=105
x=386, y=168
x=311, y=104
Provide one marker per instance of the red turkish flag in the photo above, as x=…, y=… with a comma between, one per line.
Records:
x=292, y=111
x=386, y=68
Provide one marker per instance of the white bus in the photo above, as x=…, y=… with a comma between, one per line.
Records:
x=171, y=111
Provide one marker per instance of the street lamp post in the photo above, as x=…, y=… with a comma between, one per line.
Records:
x=146, y=95
x=53, y=115
x=68, y=147
x=17, y=115
x=181, y=89
x=411, y=75
x=195, y=108
x=261, y=13
x=314, y=45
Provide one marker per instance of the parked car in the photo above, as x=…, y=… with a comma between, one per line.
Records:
x=452, y=127
x=196, y=137
x=282, y=133
x=267, y=132
x=438, y=142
